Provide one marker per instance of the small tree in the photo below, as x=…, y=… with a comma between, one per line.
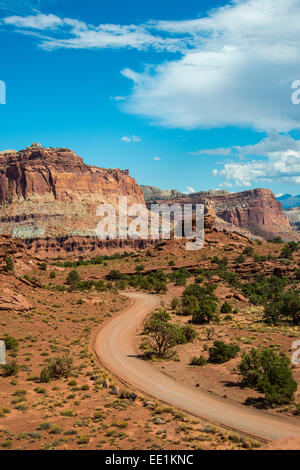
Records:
x=270, y=373
x=206, y=312
x=163, y=334
x=284, y=309
x=73, y=278
x=190, y=305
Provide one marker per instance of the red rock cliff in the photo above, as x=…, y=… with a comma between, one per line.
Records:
x=52, y=192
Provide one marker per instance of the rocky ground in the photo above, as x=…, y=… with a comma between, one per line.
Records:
x=87, y=410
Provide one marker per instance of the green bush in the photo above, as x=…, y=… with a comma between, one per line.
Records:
x=284, y=309
x=222, y=352
x=11, y=343
x=248, y=251
x=240, y=259
x=45, y=375
x=52, y=275
x=59, y=367
x=9, y=264
x=73, y=278
x=11, y=368
x=206, y=312
x=269, y=373
x=175, y=302
x=198, y=361
x=226, y=308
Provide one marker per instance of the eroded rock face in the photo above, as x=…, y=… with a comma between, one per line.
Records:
x=293, y=215
x=254, y=208
x=52, y=192
x=256, y=211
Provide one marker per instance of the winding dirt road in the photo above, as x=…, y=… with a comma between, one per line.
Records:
x=115, y=347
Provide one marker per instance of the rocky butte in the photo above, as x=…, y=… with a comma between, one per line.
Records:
x=255, y=211
x=51, y=192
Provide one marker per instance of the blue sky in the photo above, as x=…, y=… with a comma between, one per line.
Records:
x=188, y=95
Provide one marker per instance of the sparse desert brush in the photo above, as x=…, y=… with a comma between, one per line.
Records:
x=99, y=416
x=4, y=411
x=198, y=361
x=120, y=424
x=83, y=440
x=69, y=412
x=11, y=368
x=11, y=343
x=46, y=426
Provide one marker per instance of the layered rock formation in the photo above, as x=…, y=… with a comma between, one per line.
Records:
x=152, y=193
x=293, y=216
x=256, y=211
x=50, y=192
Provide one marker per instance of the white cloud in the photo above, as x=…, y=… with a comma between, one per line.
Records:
x=189, y=190
x=39, y=21
x=272, y=143
x=279, y=166
x=279, y=160
x=156, y=159
x=236, y=67
x=238, y=71
x=279, y=195
x=133, y=138
x=75, y=34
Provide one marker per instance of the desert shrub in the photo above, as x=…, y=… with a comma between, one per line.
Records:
x=270, y=373
x=9, y=264
x=11, y=343
x=275, y=240
x=52, y=275
x=206, y=312
x=189, y=333
x=226, y=308
x=175, y=302
x=99, y=416
x=43, y=266
x=73, y=278
x=284, y=309
x=289, y=249
x=139, y=268
x=100, y=285
x=60, y=367
x=164, y=335
x=240, y=259
x=264, y=289
x=248, y=251
x=198, y=361
x=222, y=352
x=297, y=274
x=179, y=277
x=11, y=368
x=45, y=376
x=189, y=305
x=114, y=275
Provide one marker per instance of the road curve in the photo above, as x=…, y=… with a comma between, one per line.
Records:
x=115, y=347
